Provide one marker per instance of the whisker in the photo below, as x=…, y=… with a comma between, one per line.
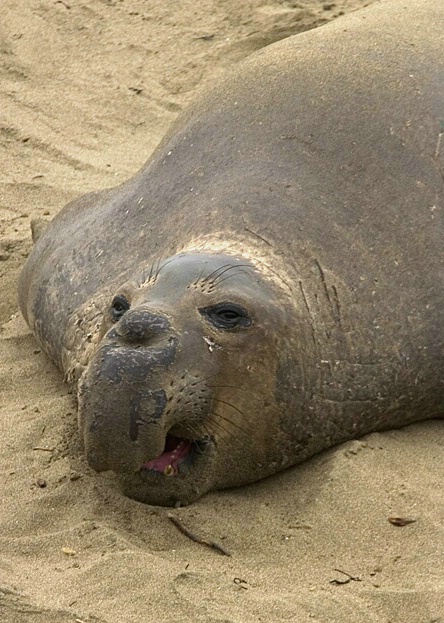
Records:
x=159, y=267
x=197, y=280
x=154, y=276
x=218, y=281
x=151, y=272
x=146, y=277
x=214, y=273
x=232, y=406
x=225, y=419
x=226, y=269
x=220, y=427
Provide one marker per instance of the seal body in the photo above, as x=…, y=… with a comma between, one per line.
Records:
x=271, y=282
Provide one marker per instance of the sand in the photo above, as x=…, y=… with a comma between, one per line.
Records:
x=87, y=90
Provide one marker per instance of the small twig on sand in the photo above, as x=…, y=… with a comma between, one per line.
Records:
x=350, y=578
x=197, y=539
x=43, y=449
x=401, y=521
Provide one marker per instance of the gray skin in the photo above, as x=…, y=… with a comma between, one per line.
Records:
x=271, y=282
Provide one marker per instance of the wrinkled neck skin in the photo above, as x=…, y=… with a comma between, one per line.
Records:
x=181, y=394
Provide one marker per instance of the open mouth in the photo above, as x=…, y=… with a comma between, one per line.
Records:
x=178, y=456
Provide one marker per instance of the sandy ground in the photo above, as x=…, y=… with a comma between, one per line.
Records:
x=87, y=89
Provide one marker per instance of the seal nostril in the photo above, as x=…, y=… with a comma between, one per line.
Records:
x=119, y=307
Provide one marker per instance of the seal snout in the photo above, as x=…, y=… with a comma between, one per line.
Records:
x=141, y=325
x=122, y=401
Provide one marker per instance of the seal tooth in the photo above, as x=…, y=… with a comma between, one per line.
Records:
x=176, y=449
x=169, y=470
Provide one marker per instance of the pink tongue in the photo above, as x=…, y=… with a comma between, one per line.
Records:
x=176, y=451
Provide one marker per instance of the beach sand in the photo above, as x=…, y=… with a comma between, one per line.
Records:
x=87, y=90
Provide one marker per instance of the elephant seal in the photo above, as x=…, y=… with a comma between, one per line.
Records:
x=271, y=282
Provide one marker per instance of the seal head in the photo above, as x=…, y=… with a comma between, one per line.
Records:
x=181, y=388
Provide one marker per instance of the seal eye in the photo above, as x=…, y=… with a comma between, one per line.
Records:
x=226, y=315
x=119, y=306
